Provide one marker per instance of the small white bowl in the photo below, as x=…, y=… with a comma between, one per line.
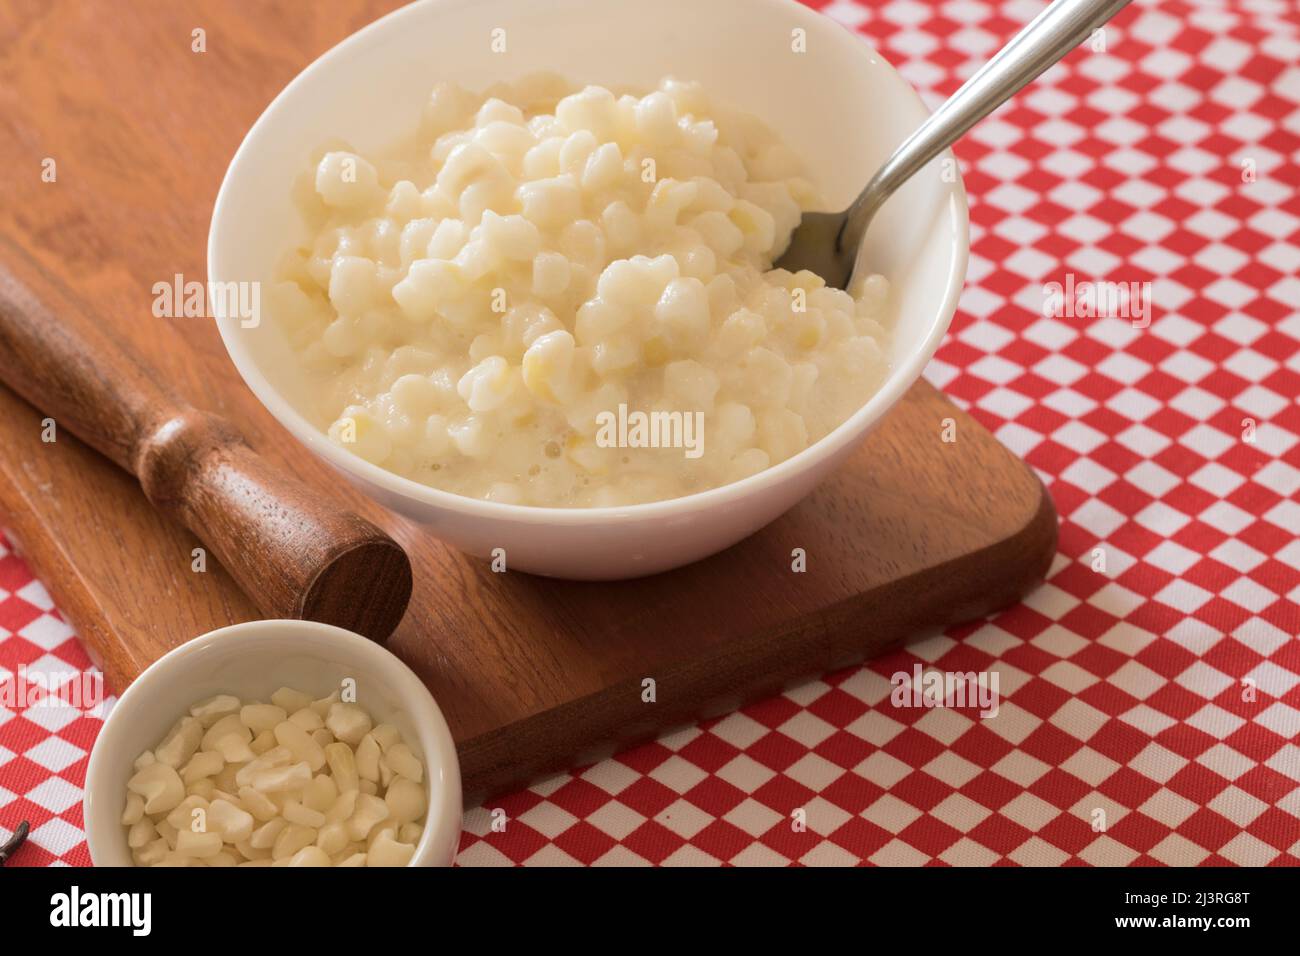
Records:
x=839, y=105
x=251, y=661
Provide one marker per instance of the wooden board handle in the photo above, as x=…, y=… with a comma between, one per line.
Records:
x=293, y=554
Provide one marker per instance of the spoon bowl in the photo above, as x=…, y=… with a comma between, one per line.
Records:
x=828, y=243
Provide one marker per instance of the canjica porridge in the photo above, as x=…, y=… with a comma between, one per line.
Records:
x=566, y=298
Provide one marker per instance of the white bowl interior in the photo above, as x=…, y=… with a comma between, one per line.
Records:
x=838, y=104
x=251, y=661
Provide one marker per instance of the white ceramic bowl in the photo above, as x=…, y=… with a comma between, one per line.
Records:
x=840, y=105
x=251, y=661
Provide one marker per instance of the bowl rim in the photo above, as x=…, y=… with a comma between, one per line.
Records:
x=444, y=788
x=900, y=378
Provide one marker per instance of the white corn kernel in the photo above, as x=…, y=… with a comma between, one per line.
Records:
x=159, y=785
x=343, y=807
x=405, y=800
x=290, y=700
x=180, y=743
x=310, y=856
x=388, y=852
x=270, y=785
x=261, y=717
x=258, y=804
x=133, y=810
x=404, y=763
x=205, y=763
x=233, y=824
x=292, y=839
x=307, y=719
x=192, y=844
x=348, y=723
x=276, y=779
x=343, y=765
x=367, y=758
x=295, y=812
x=300, y=744
x=370, y=811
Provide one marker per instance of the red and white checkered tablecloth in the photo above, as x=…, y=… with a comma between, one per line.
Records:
x=1151, y=688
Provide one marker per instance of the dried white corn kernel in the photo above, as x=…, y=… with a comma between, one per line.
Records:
x=292, y=839
x=264, y=837
x=133, y=810
x=204, y=788
x=321, y=793
x=205, y=763
x=385, y=830
x=192, y=844
x=404, y=763
x=310, y=856
x=295, y=812
x=388, y=852
x=151, y=854
x=142, y=833
x=263, y=742
x=343, y=766
x=225, y=777
x=180, y=743
x=258, y=804
x=405, y=800
x=275, y=779
x=321, y=705
x=370, y=811
x=300, y=744
x=343, y=807
x=182, y=816
x=294, y=782
x=307, y=719
x=277, y=756
x=261, y=717
x=367, y=757
x=213, y=709
x=167, y=832
x=250, y=852
x=290, y=700
x=386, y=735
x=229, y=737
x=159, y=785
x=234, y=825
x=348, y=723
x=332, y=838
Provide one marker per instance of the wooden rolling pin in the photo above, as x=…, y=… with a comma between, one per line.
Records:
x=292, y=553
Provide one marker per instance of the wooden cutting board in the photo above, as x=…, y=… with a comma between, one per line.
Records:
x=534, y=675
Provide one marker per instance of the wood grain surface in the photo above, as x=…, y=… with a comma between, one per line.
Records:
x=533, y=675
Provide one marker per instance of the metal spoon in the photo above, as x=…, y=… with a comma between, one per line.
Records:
x=827, y=243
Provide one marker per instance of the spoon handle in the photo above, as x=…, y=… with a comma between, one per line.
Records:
x=1048, y=37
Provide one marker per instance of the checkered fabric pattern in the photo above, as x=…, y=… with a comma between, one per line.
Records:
x=1150, y=690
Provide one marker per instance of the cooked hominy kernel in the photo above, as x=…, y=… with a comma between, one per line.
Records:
x=567, y=251
x=249, y=783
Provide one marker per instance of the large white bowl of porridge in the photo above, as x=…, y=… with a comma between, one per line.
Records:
x=514, y=270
